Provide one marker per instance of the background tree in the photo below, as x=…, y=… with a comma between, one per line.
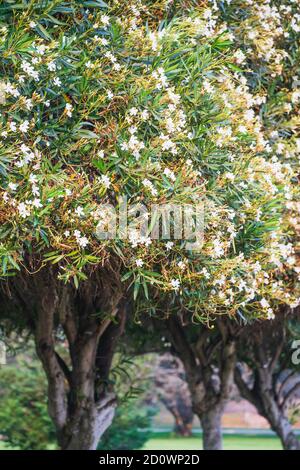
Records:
x=271, y=63
x=209, y=358
x=266, y=376
x=173, y=392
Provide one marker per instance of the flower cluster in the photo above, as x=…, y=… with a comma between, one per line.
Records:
x=103, y=102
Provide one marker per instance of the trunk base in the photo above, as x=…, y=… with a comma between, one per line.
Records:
x=85, y=428
x=211, y=428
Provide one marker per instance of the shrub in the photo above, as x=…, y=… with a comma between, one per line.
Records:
x=130, y=429
x=24, y=420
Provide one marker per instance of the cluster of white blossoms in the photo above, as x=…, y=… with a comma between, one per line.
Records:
x=261, y=29
x=162, y=116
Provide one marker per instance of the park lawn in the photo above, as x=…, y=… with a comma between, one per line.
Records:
x=234, y=442
x=4, y=446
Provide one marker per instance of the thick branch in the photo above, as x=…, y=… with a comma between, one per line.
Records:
x=181, y=344
x=245, y=391
x=46, y=352
x=277, y=353
x=290, y=394
x=108, y=341
x=228, y=360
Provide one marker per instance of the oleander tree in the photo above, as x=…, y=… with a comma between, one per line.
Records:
x=102, y=101
x=267, y=377
x=172, y=390
x=267, y=35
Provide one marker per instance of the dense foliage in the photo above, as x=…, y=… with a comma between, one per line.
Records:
x=101, y=101
x=165, y=102
x=24, y=420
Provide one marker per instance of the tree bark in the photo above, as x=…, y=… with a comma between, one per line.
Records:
x=173, y=391
x=274, y=414
x=286, y=434
x=212, y=429
x=85, y=427
x=209, y=364
x=263, y=396
x=81, y=401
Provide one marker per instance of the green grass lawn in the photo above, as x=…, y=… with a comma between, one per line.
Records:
x=235, y=442
x=4, y=446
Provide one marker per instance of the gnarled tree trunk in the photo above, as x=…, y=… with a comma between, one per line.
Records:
x=81, y=400
x=86, y=426
x=266, y=400
x=284, y=430
x=211, y=428
x=209, y=362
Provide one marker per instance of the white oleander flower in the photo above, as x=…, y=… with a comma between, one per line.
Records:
x=139, y=262
x=175, y=284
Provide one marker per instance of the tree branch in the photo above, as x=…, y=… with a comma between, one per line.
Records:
x=181, y=344
x=245, y=391
x=45, y=350
x=228, y=360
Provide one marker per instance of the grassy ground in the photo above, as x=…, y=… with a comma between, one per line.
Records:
x=235, y=442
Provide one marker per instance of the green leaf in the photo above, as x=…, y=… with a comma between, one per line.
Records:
x=145, y=287
x=86, y=134
x=76, y=281
x=13, y=263
x=43, y=32
x=126, y=276
x=95, y=4
x=54, y=20
x=136, y=288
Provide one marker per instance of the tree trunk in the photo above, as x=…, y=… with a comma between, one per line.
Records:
x=273, y=411
x=278, y=421
x=263, y=396
x=173, y=391
x=211, y=428
x=85, y=428
x=209, y=365
x=81, y=401
x=285, y=432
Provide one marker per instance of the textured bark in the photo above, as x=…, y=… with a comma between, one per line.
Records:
x=85, y=428
x=209, y=363
x=211, y=427
x=81, y=400
x=208, y=405
x=263, y=396
x=263, y=379
x=287, y=436
x=57, y=402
